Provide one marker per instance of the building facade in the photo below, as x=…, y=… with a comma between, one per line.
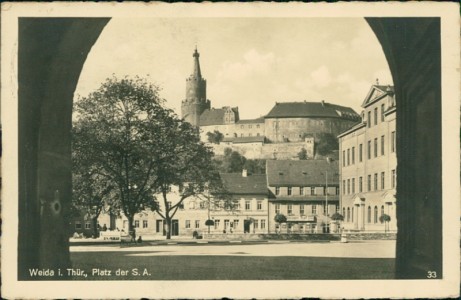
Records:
x=302, y=191
x=368, y=164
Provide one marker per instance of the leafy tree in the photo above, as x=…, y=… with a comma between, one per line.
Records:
x=326, y=143
x=302, y=155
x=118, y=126
x=215, y=137
x=337, y=217
x=255, y=166
x=90, y=189
x=280, y=218
x=143, y=149
x=232, y=162
x=386, y=219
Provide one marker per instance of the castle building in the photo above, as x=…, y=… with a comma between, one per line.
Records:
x=287, y=122
x=292, y=121
x=302, y=191
x=368, y=164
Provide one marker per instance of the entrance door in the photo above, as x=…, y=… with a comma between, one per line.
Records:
x=174, y=227
x=246, y=226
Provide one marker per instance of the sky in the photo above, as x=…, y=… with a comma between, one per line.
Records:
x=247, y=62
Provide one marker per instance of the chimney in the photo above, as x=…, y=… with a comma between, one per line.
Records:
x=323, y=102
x=244, y=173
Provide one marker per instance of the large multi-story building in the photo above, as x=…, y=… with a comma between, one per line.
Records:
x=287, y=122
x=368, y=164
x=301, y=191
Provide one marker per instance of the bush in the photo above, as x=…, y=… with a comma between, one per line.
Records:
x=209, y=222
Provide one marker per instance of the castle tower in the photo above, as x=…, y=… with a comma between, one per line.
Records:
x=195, y=103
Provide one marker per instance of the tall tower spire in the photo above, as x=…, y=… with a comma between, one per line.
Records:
x=195, y=103
x=196, y=72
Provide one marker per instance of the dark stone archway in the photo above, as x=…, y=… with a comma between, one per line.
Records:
x=51, y=56
x=413, y=52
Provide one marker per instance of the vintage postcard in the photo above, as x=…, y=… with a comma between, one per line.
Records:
x=238, y=150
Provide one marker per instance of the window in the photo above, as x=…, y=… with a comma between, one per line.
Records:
x=277, y=190
x=216, y=224
x=187, y=224
x=260, y=205
x=344, y=158
x=289, y=191
x=382, y=112
x=382, y=145
x=255, y=224
x=247, y=205
x=136, y=224
x=369, y=119
x=369, y=183
x=376, y=181
x=144, y=224
x=181, y=205
x=325, y=209
x=290, y=209
x=87, y=225
x=353, y=155
x=360, y=184
x=375, y=215
x=369, y=215
x=360, y=152
x=263, y=224
x=348, y=214
x=226, y=224
x=301, y=209
x=301, y=190
x=348, y=157
x=376, y=147
x=393, y=183
x=236, y=223
x=369, y=149
x=393, y=141
x=382, y=210
x=344, y=187
x=382, y=180
x=376, y=116
x=78, y=225
x=277, y=208
x=352, y=214
x=197, y=223
x=312, y=191
x=168, y=204
x=353, y=185
x=337, y=209
x=158, y=225
x=348, y=186
x=314, y=209
x=337, y=190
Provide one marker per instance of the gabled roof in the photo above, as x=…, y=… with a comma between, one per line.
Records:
x=215, y=116
x=251, y=184
x=311, y=109
x=377, y=92
x=301, y=172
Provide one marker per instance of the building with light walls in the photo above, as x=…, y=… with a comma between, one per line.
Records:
x=368, y=164
x=301, y=191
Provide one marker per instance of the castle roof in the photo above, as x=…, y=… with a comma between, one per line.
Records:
x=215, y=116
x=311, y=110
x=301, y=172
x=251, y=184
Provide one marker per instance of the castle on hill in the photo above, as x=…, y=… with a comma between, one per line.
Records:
x=281, y=134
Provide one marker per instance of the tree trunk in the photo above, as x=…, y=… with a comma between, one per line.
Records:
x=94, y=223
x=168, y=228
x=131, y=229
